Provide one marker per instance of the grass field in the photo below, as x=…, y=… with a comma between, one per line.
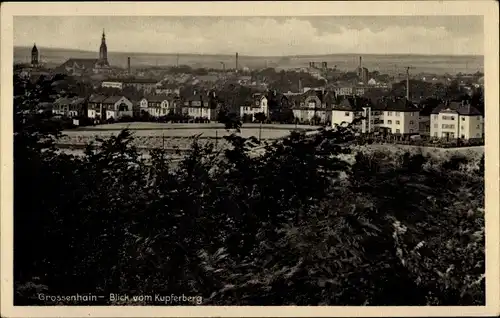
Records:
x=161, y=130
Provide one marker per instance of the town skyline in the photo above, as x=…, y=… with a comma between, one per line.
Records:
x=259, y=36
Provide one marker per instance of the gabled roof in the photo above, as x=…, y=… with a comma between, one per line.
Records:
x=457, y=107
x=156, y=98
x=400, y=105
x=97, y=98
x=352, y=104
x=139, y=81
x=112, y=99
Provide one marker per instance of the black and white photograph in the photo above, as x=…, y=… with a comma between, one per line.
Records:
x=249, y=159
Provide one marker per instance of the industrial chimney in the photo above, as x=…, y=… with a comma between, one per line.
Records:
x=360, y=60
x=128, y=65
x=236, y=62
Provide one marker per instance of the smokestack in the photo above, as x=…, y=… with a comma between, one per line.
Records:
x=300, y=85
x=236, y=62
x=128, y=65
x=408, y=83
x=360, y=60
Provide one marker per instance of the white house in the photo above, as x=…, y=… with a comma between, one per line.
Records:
x=397, y=116
x=457, y=120
x=313, y=104
x=200, y=106
x=259, y=104
x=71, y=107
x=156, y=105
x=117, y=107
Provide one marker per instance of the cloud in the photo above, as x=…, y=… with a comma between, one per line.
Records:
x=248, y=36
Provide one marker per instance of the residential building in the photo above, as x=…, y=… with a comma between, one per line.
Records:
x=71, y=107
x=157, y=105
x=313, y=105
x=104, y=107
x=457, y=120
x=395, y=116
x=148, y=86
x=200, y=106
x=112, y=84
x=258, y=104
x=351, y=108
x=400, y=116
x=165, y=89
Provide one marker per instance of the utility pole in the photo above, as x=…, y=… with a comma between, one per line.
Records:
x=408, y=82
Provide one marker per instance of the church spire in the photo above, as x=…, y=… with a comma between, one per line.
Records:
x=103, y=50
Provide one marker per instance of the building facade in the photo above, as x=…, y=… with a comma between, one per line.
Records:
x=457, y=120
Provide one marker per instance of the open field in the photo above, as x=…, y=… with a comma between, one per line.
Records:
x=160, y=135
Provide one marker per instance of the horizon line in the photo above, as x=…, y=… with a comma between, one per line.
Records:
x=244, y=55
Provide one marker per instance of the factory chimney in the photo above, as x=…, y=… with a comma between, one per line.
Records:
x=128, y=65
x=360, y=60
x=236, y=62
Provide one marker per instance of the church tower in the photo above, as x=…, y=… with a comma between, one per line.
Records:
x=103, y=51
x=34, y=56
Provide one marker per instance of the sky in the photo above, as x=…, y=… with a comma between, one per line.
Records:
x=258, y=36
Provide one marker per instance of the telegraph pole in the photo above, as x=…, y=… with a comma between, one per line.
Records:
x=408, y=82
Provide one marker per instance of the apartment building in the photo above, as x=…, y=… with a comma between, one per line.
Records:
x=258, y=104
x=457, y=120
x=157, y=105
x=200, y=106
x=395, y=116
x=313, y=104
x=71, y=107
x=106, y=107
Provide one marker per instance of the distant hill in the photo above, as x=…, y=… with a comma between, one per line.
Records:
x=383, y=63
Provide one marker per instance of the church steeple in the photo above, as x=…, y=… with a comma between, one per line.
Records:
x=103, y=50
x=34, y=55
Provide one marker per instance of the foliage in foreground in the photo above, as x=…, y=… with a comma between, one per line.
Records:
x=296, y=225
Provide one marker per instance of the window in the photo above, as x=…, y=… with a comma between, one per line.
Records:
x=397, y=122
x=397, y=113
x=397, y=131
x=389, y=113
x=389, y=122
x=445, y=126
x=463, y=119
x=478, y=117
x=448, y=118
x=478, y=126
x=411, y=122
x=346, y=114
x=462, y=127
x=478, y=135
x=463, y=136
x=435, y=116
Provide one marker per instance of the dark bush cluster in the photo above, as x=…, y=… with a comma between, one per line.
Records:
x=295, y=225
